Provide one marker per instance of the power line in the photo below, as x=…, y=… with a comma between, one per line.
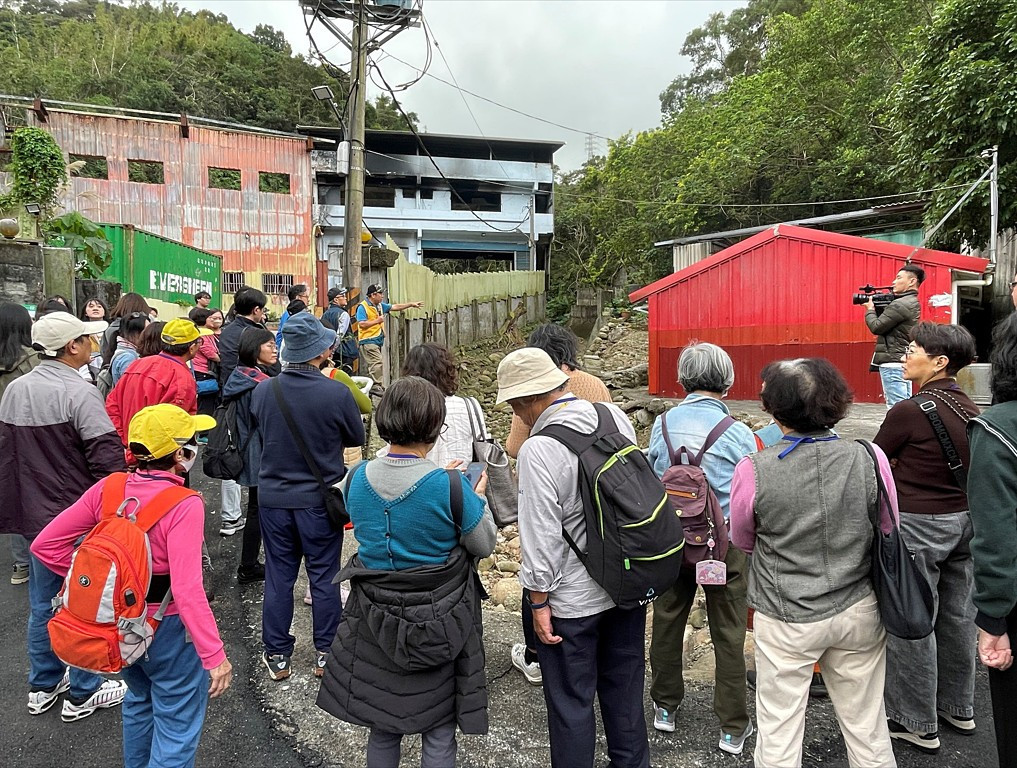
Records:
x=499, y=104
x=441, y=173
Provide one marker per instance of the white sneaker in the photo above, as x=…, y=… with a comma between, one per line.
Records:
x=110, y=694
x=662, y=719
x=40, y=701
x=530, y=671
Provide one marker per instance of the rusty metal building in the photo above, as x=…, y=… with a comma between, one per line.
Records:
x=241, y=192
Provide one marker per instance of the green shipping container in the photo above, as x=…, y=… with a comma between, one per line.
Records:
x=159, y=268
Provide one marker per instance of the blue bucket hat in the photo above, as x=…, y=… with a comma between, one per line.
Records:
x=304, y=338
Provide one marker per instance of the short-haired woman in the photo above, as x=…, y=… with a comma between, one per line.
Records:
x=803, y=509
x=706, y=373
x=436, y=364
x=422, y=669
x=992, y=494
x=257, y=355
x=128, y=337
x=933, y=679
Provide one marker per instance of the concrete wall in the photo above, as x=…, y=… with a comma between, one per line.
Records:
x=458, y=327
x=29, y=272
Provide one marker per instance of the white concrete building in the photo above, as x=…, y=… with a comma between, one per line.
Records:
x=495, y=204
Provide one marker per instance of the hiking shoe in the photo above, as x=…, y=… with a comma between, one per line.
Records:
x=965, y=725
x=110, y=694
x=734, y=744
x=750, y=678
x=319, y=663
x=278, y=666
x=251, y=575
x=229, y=527
x=307, y=596
x=923, y=742
x=19, y=573
x=662, y=719
x=40, y=701
x=530, y=671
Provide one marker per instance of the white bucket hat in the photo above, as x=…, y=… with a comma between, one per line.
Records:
x=527, y=371
x=52, y=332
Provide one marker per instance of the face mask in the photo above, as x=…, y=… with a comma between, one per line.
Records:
x=190, y=456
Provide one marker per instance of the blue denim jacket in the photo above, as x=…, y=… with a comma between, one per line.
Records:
x=688, y=424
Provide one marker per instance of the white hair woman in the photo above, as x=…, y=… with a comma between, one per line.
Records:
x=702, y=424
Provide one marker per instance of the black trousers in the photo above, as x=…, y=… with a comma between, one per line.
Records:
x=1003, y=688
x=600, y=655
x=251, y=546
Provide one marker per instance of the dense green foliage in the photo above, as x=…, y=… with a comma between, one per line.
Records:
x=164, y=59
x=38, y=171
x=93, y=251
x=791, y=103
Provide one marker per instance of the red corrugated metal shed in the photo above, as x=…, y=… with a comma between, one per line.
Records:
x=786, y=293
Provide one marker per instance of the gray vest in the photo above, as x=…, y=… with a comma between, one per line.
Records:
x=813, y=529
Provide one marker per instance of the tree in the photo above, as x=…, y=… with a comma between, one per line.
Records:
x=958, y=96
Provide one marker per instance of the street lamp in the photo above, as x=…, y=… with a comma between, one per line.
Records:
x=33, y=208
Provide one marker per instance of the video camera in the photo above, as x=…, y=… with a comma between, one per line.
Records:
x=881, y=297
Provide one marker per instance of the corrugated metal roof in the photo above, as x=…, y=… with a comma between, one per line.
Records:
x=819, y=237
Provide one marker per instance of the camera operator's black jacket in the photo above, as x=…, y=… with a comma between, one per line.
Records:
x=893, y=327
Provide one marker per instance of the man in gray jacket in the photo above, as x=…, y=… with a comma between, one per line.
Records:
x=586, y=645
x=892, y=329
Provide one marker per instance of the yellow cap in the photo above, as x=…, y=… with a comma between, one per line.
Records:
x=163, y=428
x=179, y=331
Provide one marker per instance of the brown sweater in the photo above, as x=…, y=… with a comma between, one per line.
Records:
x=583, y=385
x=925, y=485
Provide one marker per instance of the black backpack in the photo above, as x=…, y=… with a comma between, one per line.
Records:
x=223, y=456
x=634, y=540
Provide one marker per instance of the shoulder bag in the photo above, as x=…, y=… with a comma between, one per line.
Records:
x=905, y=599
x=954, y=463
x=335, y=504
x=502, y=493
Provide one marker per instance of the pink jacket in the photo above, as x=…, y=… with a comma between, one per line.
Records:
x=176, y=549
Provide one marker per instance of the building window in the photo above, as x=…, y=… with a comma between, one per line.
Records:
x=276, y=285
x=232, y=282
x=426, y=194
x=145, y=172
x=275, y=183
x=467, y=196
x=91, y=166
x=224, y=178
x=379, y=197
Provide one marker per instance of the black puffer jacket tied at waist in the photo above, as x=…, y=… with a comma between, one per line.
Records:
x=409, y=653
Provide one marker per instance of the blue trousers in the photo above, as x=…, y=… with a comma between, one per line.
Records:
x=45, y=670
x=600, y=655
x=895, y=388
x=164, y=709
x=292, y=535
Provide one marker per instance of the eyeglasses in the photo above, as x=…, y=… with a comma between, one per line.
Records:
x=1013, y=285
x=915, y=351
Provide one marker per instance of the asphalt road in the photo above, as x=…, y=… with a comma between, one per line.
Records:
x=260, y=724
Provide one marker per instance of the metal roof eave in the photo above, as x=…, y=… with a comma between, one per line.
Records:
x=954, y=261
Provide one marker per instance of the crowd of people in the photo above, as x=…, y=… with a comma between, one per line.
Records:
x=110, y=409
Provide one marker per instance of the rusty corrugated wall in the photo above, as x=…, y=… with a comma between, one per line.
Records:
x=255, y=232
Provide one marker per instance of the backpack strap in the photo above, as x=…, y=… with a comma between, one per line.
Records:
x=113, y=493
x=164, y=501
x=578, y=442
x=455, y=497
x=714, y=436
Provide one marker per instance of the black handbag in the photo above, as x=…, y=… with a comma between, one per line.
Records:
x=335, y=504
x=906, y=604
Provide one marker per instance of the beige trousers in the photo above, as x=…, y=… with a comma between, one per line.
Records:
x=370, y=358
x=851, y=649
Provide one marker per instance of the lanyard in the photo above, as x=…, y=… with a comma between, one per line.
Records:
x=796, y=441
x=564, y=402
x=402, y=456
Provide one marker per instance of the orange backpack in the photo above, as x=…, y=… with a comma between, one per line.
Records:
x=100, y=622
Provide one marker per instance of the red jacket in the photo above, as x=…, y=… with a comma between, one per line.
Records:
x=148, y=381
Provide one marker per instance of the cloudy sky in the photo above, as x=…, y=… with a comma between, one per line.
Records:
x=593, y=65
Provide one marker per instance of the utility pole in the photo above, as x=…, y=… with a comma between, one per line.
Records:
x=533, y=233
x=354, y=207
x=994, y=206
x=374, y=24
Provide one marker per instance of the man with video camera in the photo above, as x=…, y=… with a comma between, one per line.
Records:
x=892, y=328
